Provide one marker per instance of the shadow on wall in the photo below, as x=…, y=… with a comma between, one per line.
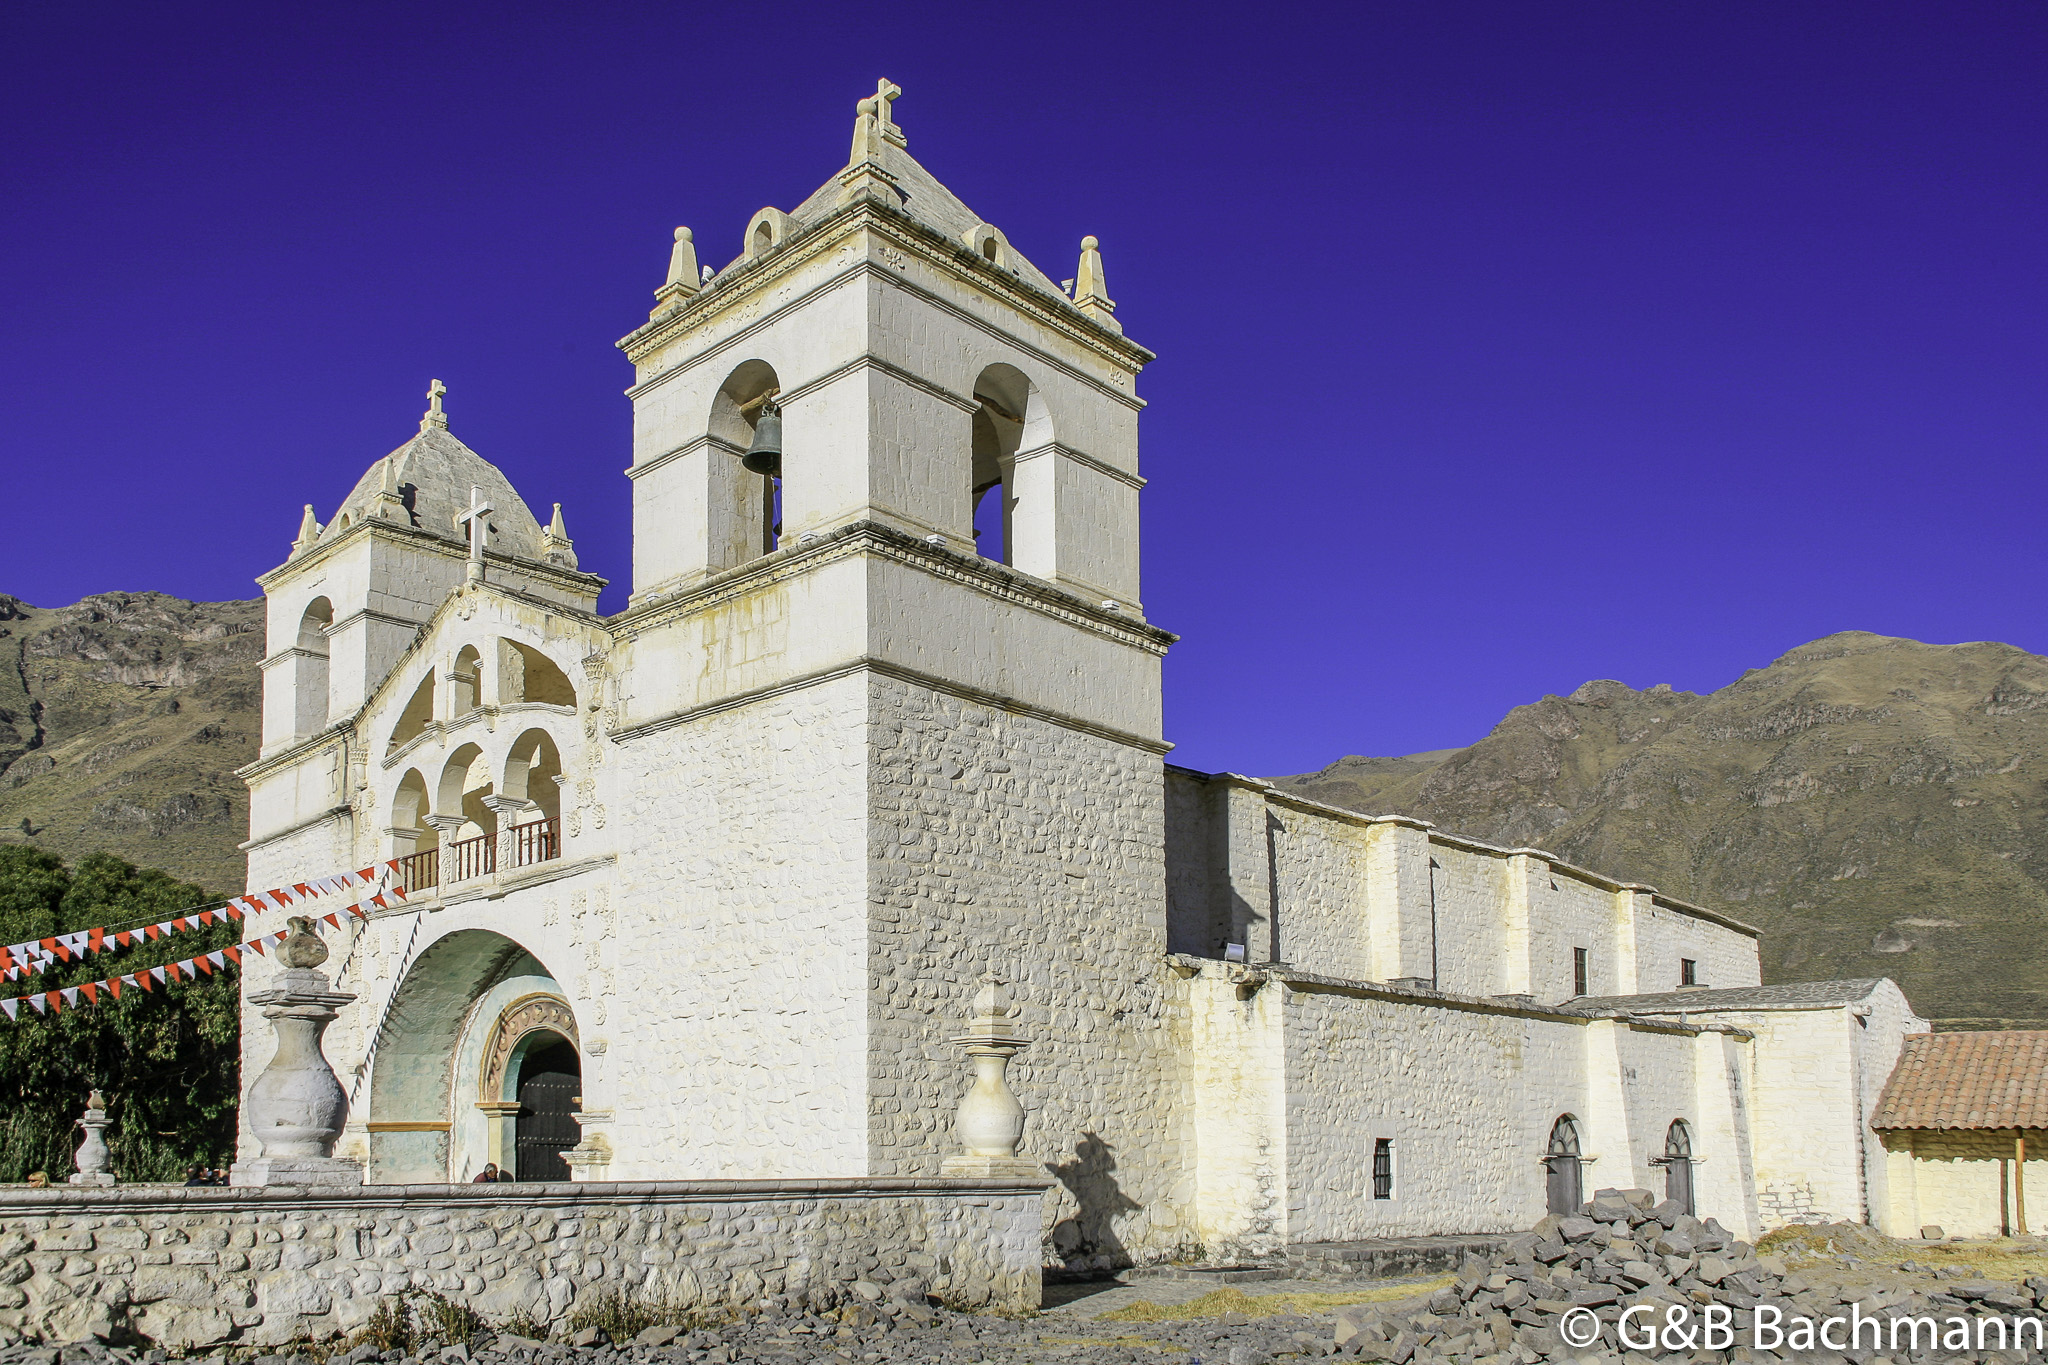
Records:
x=1088, y=1240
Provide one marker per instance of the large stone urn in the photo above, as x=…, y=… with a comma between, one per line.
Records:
x=990, y=1123
x=296, y=1107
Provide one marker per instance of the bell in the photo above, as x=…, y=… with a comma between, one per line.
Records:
x=764, y=456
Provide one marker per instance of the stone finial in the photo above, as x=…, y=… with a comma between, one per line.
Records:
x=1091, y=296
x=296, y=1108
x=434, y=416
x=390, y=502
x=92, y=1160
x=683, y=280
x=555, y=543
x=309, y=531
x=991, y=1120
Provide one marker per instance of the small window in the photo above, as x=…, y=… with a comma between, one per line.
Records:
x=1578, y=971
x=1383, y=1168
x=1688, y=972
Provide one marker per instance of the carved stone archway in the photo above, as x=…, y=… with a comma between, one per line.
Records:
x=528, y=1014
x=518, y=1022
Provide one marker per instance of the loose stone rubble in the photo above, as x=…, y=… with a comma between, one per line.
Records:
x=1625, y=1250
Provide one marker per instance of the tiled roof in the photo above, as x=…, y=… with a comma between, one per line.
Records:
x=1968, y=1080
x=1792, y=994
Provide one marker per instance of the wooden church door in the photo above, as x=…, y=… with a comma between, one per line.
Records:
x=550, y=1083
x=1677, y=1164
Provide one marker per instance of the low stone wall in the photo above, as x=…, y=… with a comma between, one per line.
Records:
x=197, y=1266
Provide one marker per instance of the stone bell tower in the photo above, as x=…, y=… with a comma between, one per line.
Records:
x=894, y=701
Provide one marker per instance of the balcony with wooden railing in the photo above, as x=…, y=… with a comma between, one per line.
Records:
x=466, y=858
x=419, y=872
x=535, y=842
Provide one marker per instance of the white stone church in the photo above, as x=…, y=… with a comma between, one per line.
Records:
x=701, y=890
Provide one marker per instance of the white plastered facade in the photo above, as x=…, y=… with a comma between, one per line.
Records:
x=832, y=763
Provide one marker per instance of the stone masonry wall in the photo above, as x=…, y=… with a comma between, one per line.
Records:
x=1009, y=842
x=192, y=1267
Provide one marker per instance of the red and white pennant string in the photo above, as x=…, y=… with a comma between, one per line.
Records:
x=148, y=978
x=18, y=960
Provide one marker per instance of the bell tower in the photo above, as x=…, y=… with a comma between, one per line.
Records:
x=894, y=704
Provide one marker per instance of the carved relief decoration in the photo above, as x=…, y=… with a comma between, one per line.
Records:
x=528, y=1014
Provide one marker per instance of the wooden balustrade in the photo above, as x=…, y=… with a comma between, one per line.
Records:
x=466, y=858
x=420, y=871
x=536, y=842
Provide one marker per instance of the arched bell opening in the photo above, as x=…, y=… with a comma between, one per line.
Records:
x=1010, y=426
x=526, y=674
x=1677, y=1163
x=309, y=680
x=415, y=718
x=469, y=998
x=533, y=771
x=463, y=815
x=465, y=683
x=746, y=421
x=1564, y=1172
x=414, y=842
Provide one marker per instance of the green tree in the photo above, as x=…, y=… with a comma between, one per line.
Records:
x=168, y=1059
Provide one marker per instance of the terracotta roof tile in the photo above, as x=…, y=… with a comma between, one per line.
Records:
x=1968, y=1080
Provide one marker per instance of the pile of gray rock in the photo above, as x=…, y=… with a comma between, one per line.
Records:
x=1627, y=1250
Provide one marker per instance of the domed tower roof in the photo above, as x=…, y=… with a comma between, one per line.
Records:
x=432, y=475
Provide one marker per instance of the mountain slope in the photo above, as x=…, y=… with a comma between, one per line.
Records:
x=1878, y=806
x=122, y=720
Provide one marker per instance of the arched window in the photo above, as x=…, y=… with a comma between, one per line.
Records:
x=532, y=770
x=1012, y=505
x=469, y=848
x=1563, y=1171
x=526, y=674
x=309, y=676
x=413, y=840
x=415, y=718
x=1677, y=1164
x=748, y=524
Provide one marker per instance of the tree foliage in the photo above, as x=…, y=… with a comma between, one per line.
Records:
x=168, y=1060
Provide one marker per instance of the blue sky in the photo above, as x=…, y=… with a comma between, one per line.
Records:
x=1502, y=346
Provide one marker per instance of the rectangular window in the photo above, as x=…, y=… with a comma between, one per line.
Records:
x=1578, y=971
x=1383, y=1168
x=1688, y=972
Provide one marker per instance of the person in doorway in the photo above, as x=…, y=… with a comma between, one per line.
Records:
x=39, y=1180
x=198, y=1175
x=488, y=1175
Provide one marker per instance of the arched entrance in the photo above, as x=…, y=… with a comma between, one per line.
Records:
x=1677, y=1164
x=1564, y=1186
x=532, y=1086
x=444, y=1078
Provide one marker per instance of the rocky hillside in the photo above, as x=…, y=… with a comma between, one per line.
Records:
x=122, y=720
x=1878, y=806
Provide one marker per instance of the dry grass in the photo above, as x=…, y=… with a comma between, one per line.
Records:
x=2003, y=1258
x=1217, y=1302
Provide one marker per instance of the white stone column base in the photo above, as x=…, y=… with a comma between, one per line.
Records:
x=964, y=1167
x=333, y=1170
x=92, y=1178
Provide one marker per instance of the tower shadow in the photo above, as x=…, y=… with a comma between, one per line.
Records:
x=1087, y=1240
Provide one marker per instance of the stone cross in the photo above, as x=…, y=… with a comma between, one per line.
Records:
x=477, y=520
x=886, y=92
x=435, y=417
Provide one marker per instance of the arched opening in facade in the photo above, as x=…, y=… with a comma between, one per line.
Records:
x=526, y=674
x=1564, y=1173
x=533, y=769
x=1677, y=1164
x=475, y=1020
x=750, y=525
x=309, y=683
x=1010, y=420
x=415, y=718
x=414, y=842
x=462, y=812
x=465, y=683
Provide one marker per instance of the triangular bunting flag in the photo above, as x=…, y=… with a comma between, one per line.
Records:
x=163, y=974
x=332, y=919
x=70, y=995
x=113, y=985
x=92, y=991
x=142, y=979
x=217, y=958
x=11, y=1006
x=234, y=954
x=41, y=1003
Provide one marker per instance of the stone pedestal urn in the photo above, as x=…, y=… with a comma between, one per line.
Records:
x=92, y=1159
x=296, y=1107
x=991, y=1120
